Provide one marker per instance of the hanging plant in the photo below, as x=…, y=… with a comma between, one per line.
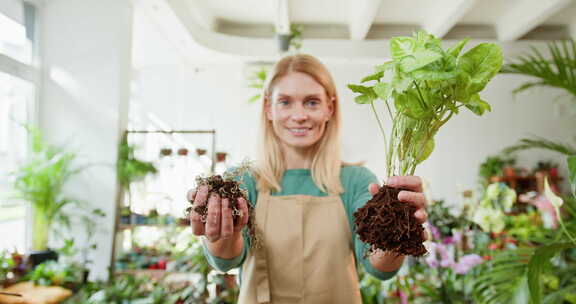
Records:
x=428, y=86
x=129, y=168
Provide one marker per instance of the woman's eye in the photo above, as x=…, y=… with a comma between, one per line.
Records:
x=313, y=102
x=283, y=102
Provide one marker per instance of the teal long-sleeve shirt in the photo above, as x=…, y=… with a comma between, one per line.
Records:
x=354, y=179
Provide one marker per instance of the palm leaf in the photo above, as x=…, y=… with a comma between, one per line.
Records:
x=503, y=280
x=541, y=143
x=559, y=71
x=539, y=262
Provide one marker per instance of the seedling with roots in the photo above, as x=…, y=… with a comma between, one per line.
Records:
x=428, y=85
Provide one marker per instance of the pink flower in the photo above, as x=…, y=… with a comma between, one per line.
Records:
x=445, y=261
x=435, y=232
x=403, y=297
x=454, y=239
x=431, y=259
x=466, y=263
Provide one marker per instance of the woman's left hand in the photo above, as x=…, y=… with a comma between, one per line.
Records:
x=415, y=196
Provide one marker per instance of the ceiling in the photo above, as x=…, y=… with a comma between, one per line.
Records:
x=226, y=29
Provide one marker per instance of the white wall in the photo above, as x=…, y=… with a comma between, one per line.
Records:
x=216, y=98
x=86, y=61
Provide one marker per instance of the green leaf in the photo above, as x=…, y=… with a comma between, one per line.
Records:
x=418, y=60
x=364, y=99
x=360, y=89
x=385, y=66
x=368, y=95
x=375, y=76
x=400, y=85
x=408, y=103
x=481, y=63
x=427, y=150
x=539, y=261
x=383, y=90
x=432, y=75
x=572, y=172
x=457, y=48
x=401, y=47
x=254, y=98
x=477, y=105
x=554, y=70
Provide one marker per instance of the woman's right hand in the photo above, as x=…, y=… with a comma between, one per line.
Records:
x=218, y=225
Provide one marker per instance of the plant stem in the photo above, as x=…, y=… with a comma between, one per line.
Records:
x=389, y=111
x=381, y=127
x=422, y=101
x=562, y=224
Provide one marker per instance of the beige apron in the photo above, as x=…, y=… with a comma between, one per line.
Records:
x=306, y=256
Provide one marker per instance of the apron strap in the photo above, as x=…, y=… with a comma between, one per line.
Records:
x=261, y=259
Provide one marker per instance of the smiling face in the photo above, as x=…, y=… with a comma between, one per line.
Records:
x=299, y=109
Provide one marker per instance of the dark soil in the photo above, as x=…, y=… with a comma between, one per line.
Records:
x=225, y=188
x=388, y=224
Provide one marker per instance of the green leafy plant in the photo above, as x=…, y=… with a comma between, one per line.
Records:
x=6, y=266
x=518, y=276
x=129, y=168
x=53, y=273
x=497, y=200
x=537, y=142
x=503, y=279
x=296, y=36
x=557, y=70
x=40, y=181
x=493, y=166
x=256, y=81
x=428, y=86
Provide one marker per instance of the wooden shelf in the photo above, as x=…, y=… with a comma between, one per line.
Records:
x=130, y=226
x=527, y=183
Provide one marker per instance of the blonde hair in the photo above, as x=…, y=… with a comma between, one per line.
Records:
x=326, y=163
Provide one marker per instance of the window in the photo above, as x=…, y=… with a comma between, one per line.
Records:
x=17, y=99
x=14, y=41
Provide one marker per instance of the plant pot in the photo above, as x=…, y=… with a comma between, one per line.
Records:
x=166, y=152
x=284, y=42
x=85, y=275
x=553, y=172
x=220, y=156
x=495, y=179
x=36, y=258
x=509, y=171
x=200, y=152
x=182, y=151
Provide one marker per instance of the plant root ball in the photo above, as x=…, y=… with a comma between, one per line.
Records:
x=388, y=224
x=226, y=188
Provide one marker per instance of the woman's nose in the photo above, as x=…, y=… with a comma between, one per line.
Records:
x=299, y=115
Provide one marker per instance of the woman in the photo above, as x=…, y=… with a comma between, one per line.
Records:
x=304, y=198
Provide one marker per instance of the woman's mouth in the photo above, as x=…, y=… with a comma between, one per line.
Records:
x=299, y=131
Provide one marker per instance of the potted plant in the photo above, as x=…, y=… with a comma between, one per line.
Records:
x=508, y=169
x=131, y=169
x=40, y=181
x=292, y=39
x=491, y=169
x=428, y=86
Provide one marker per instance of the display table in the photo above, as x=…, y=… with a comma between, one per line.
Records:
x=33, y=294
